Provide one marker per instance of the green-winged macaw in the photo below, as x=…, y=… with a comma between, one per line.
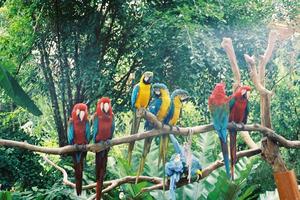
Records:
x=218, y=104
x=177, y=166
x=140, y=98
x=159, y=106
x=103, y=129
x=78, y=134
x=177, y=98
x=239, y=110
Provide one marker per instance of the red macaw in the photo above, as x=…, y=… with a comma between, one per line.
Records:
x=239, y=110
x=218, y=104
x=79, y=133
x=103, y=129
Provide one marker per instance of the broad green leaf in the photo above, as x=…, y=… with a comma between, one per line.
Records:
x=15, y=91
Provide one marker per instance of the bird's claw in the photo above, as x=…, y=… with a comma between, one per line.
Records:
x=107, y=142
x=76, y=146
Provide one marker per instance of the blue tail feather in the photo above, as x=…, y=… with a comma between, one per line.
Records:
x=225, y=156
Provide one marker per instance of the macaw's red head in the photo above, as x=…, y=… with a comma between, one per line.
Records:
x=218, y=95
x=80, y=112
x=104, y=106
x=243, y=91
x=219, y=88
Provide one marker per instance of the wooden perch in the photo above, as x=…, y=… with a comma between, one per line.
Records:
x=254, y=75
x=228, y=47
x=161, y=129
x=157, y=181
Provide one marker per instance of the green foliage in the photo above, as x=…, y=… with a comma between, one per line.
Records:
x=57, y=192
x=14, y=90
x=64, y=52
x=19, y=168
x=5, y=195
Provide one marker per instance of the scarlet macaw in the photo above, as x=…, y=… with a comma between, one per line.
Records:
x=218, y=104
x=103, y=129
x=78, y=134
x=239, y=110
x=159, y=106
x=140, y=98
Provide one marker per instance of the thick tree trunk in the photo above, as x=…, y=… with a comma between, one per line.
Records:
x=62, y=136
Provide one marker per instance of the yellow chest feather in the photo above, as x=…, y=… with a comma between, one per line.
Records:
x=177, y=109
x=165, y=105
x=143, y=97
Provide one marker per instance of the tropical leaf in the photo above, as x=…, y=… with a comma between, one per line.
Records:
x=15, y=91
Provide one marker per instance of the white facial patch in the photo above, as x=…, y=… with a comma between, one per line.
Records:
x=157, y=92
x=81, y=115
x=243, y=91
x=106, y=107
x=77, y=112
x=146, y=78
x=101, y=106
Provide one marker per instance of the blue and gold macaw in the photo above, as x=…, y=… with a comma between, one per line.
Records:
x=177, y=98
x=218, y=104
x=159, y=106
x=177, y=166
x=140, y=98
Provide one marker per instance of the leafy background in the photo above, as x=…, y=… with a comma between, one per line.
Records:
x=57, y=53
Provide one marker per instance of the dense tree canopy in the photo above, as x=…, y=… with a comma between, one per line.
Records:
x=54, y=54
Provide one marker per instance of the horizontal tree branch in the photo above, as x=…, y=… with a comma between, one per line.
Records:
x=161, y=129
x=157, y=181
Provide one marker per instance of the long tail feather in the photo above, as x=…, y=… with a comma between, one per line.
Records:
x=146, y=150
x=232, y=152
x=163, y=147
x=225, y=156
x=101, y=161
x=78, y=160
x=134, y=129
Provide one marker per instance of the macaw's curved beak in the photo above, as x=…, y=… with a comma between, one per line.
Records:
x=185, y=99
x=81, y=115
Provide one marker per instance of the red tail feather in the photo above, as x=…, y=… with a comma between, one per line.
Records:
x=232, y=152
x=101, y=161
x=78, y=167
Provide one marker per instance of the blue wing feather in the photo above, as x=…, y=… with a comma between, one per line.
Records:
x=71, y=133
x=134, y=95
x=170, y=114
x=87, y=131
x=153, y=108
x=177, y=147
x=231, y=103
x=246, y=113
x=95, y=128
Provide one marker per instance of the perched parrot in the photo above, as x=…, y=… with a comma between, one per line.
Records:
x=239, y=110
x=218, y=104
x=159, y=106
x=177, y=166
x=103, y=129
x=78, y=134
x=140, y=98
x=177, y=98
